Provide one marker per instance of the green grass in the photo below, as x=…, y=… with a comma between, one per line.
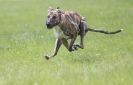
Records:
x=24, y=40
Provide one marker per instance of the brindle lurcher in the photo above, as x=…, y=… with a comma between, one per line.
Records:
x=68, y=25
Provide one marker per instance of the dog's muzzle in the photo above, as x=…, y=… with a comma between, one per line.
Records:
x=48, y=25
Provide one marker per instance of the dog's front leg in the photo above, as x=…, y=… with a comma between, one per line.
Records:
x=57, y=46
x=69, y=46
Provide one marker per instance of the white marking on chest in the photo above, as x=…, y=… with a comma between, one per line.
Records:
x=59, y=33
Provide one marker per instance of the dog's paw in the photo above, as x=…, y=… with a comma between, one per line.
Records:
x=74, y=48
x=78, y=46
x=47, y=57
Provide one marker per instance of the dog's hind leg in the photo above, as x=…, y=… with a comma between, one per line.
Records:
x=83, y=31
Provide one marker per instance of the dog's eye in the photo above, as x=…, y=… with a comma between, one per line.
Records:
x=54, y=17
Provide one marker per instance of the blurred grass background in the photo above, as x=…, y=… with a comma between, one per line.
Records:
x=24, y=40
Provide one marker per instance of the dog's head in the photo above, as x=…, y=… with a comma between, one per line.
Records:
x=53, y=18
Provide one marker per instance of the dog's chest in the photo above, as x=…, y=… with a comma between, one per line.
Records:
x=59, y=33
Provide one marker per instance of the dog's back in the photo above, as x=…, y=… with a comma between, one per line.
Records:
x=70, y=22
x=75, y=17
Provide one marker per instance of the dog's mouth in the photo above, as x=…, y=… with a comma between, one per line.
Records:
x=49, y=26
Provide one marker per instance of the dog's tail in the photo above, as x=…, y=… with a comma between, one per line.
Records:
x=104, y=31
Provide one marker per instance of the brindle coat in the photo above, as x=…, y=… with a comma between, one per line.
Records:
x=68, y=25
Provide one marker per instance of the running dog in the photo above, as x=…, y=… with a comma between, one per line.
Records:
x=68, y=25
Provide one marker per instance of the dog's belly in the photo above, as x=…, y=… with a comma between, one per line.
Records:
x=59, y=33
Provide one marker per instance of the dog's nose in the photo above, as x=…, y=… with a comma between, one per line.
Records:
x=47, y=24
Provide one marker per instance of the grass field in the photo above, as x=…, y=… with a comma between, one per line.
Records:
x=24, y=40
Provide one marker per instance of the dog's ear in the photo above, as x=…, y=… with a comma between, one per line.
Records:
x=50, y=9
x=58, y=8
x=59, y=11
